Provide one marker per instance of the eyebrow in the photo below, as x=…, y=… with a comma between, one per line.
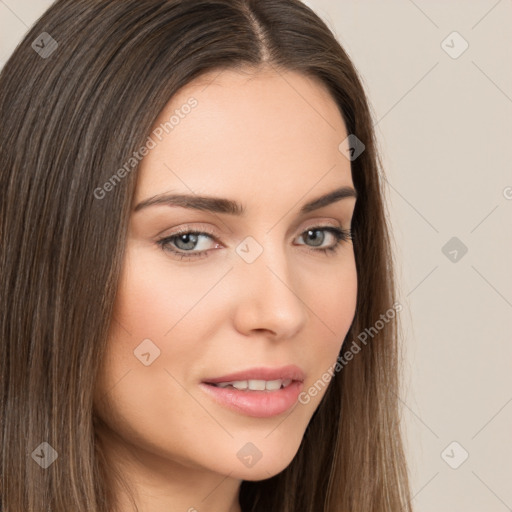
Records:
x=231, y=207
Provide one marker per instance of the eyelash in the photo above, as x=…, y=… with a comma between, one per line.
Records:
x=341, y=235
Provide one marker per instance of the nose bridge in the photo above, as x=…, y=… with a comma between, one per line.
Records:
x=268, y=298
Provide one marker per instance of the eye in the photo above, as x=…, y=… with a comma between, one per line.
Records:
x=185, y=240
x=339, y=235
x=184, y=243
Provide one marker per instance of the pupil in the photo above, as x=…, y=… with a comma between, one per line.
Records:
x=315, y=238
x=188, y=239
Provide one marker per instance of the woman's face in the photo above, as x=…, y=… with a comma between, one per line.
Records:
x=261, y=295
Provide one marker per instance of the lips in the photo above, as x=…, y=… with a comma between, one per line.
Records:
x=257, y=392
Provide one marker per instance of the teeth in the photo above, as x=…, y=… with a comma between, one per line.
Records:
x=260, y=385
x=240, y=384
x=256, y=385
x=271, y=385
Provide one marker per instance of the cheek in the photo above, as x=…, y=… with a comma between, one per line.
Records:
x=156, y=293
x=146, y=403
x=332, y=294
x=332, y=297
x=147, y=306
x=162, y=316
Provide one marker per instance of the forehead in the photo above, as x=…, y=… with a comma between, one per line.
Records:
x=246, y=129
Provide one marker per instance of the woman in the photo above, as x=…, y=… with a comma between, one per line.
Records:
x=199, y=305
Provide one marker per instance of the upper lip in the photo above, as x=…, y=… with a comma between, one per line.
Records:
x=261, y=373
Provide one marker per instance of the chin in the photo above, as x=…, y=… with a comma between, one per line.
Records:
x=260, y=465
x=262, y=472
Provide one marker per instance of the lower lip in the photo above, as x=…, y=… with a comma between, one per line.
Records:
x=259, y=404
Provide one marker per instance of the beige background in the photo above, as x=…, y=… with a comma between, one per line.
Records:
x=445, y=129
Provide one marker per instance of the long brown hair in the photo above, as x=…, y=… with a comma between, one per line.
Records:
x=72, y=113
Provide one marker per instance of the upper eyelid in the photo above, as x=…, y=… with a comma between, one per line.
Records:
x=203, y=230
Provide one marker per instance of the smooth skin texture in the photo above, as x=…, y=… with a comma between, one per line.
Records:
x=268, y=140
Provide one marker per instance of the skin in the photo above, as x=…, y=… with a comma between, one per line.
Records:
x=270, y=141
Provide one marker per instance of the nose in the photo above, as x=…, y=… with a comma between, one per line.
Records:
x=267, y=294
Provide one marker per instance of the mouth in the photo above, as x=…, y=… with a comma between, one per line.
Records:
x=258, y=392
